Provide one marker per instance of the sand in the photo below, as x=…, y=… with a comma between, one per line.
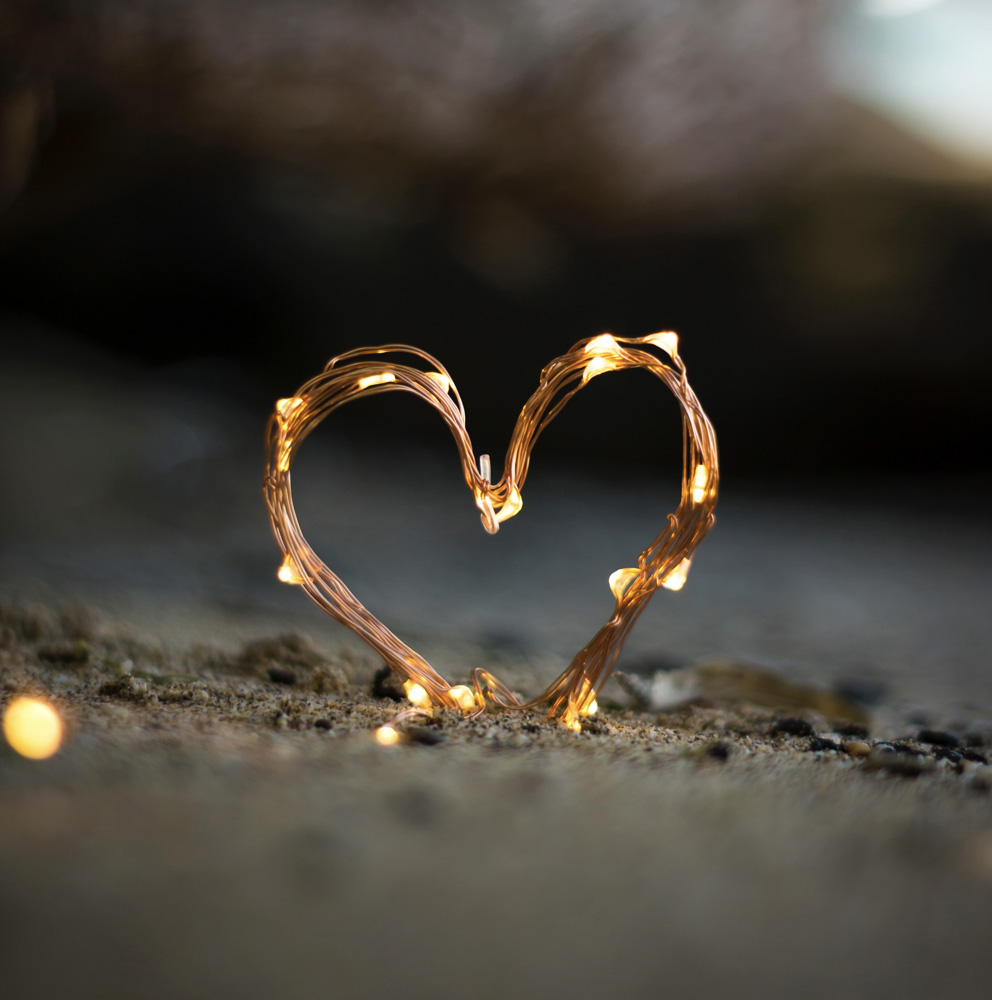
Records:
x=208, y=831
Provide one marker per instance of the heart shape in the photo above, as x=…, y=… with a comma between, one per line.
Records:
x=664, y=563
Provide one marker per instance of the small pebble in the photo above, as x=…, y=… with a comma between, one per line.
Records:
x=424, y=735
x=818, y=743
x=938, y=738
x=857, y=748
x=718, y=751
x=322, y=724
x=974, y=755
x=280, y=675
x=792, y=726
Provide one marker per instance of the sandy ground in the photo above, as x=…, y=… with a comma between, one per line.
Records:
x=221, y=822
x=211, y=831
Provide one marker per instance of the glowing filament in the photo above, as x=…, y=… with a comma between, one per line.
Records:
x=675, y=580
x=667, y=341
x=621, y=579
x=380, y=379
x=33, y=728
x=513, y=504
x=596, y=366
x=417, y=694
x=699, y=483
x=286, y=406
x=464, y=696
x=386, y=736
x=442, y=380
x=288, y=572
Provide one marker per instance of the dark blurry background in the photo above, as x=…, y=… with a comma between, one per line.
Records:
x=206, y=199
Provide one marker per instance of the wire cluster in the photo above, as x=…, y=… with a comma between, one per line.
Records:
x=664, y=563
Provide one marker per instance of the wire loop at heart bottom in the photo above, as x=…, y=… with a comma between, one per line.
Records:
x=664, y=563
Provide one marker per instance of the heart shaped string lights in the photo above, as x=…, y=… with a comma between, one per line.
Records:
x=664, y=563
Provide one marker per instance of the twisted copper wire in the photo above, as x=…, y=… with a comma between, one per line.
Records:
x=664, y=562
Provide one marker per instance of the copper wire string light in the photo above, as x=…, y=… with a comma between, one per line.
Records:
x=664, y=563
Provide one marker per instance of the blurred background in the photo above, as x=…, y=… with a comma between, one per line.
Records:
x=204, y=200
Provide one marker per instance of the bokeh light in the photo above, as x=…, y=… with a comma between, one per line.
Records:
x=33, y=728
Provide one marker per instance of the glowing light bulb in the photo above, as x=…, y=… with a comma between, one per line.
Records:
x=585, y=700
x=33, y=728
x=699, y=483
x=442, y=380
x=417, y=694
x=666, y=340
x=596, y=366
x=675, y=580
x=288, y=572
x=286, y=406
x=603, y=344
x=621, y=579
x=386, y=736
x=464, y=696
x=513, y=505
x=380, y=379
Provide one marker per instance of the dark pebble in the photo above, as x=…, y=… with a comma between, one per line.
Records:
x=900, y=747
x=424, y=735
x=974, y=755
x=718, y=751
x=942, y=753
x=861, y=690
x=792, y=726
x=385, y=685
x=938, y=738
x=853, y=731
x=280, y=675
x=818, y=743
x=322, y=724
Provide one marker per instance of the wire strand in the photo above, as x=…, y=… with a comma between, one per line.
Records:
x=664, y=563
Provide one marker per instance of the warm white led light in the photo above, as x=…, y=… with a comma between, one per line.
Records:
x=386, y=736
x=621, y=579
x=605, y=343
x=595, y=367
x=288, y=573
x=381, y=379
x=667, y=341
x=32, y=728
x=417, y=694
x=675, y=580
